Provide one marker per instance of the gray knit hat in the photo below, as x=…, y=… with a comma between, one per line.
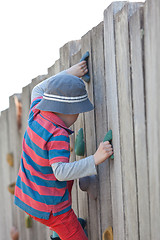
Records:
x=65, y=94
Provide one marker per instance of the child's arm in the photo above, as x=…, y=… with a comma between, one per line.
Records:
x=84, y=167
x=78, y=70
x=40, y=88
x=74, y=170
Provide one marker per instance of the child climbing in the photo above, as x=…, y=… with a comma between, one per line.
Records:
x=45, y=178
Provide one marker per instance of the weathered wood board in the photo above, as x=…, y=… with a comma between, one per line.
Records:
x=113, y=118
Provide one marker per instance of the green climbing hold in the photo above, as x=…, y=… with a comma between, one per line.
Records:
x=79, y=143
x=108, y=137
x=28, y=221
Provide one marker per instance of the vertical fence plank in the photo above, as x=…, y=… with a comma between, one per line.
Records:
x=126, y=123
x=54, y=69
x=51, y=70
x=2, y=184
x=152, y=40
x=113, y=118
x=66, y=51
x=15, y=148
x=94, y=218
x=9, y=175
x=138, y=98
x=104, y=197
x=7, y=198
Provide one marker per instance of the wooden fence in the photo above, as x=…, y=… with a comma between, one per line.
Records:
x=124, y=66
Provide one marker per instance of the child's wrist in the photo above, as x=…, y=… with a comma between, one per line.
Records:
x=95, y=160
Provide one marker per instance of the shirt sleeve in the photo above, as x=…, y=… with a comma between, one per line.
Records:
x=40, y=88
x=59, y=148
x=74, y=170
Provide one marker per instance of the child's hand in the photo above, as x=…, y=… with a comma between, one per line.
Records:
x=78, y=70
x=103, y=152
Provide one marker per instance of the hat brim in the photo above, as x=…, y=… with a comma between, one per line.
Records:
x=65, y=108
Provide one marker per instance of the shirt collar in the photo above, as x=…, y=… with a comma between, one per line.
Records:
x=55, y=119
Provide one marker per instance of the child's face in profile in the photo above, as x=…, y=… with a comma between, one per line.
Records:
x=68, y=119
x=72, y=118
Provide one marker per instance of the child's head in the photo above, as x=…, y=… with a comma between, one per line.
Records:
x=68, y=119
x=66, y=96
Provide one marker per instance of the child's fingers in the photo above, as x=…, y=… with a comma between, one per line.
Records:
x=107, y=144
x=83, y=63
x=84, y=67
x=110, y=153
x=85, y=71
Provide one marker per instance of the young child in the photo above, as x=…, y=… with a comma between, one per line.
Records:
x=45, y=178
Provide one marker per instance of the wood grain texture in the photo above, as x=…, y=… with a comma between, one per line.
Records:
x=152, y=73
x=138, y=98
x=104, y=198
x=124, y=88
x=126, y=122
x=6, y=201
x=94, y=217
x=113, y=118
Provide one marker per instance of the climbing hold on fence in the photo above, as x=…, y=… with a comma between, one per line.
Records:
x=18, y=104
x=79, y=143
x=108, y=234
x=89, y=184
x=85, y=57
x=10, y=159
x=108, y=137
x=28, y=221
x=11, y=188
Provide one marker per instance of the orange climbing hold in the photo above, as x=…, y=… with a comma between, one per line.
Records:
x=108, y=234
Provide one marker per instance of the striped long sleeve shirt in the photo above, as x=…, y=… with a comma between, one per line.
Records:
x=43, y=184
x=46, y=141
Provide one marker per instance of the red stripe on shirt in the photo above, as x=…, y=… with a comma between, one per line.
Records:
x=37, y=159
x=42, y=190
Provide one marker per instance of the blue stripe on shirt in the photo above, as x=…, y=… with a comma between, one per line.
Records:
x=37, y=167
x=42, y=182
x=31, y=210
x=39, y=151
x=59, y=153
x=49, y=200
x=45, y=134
